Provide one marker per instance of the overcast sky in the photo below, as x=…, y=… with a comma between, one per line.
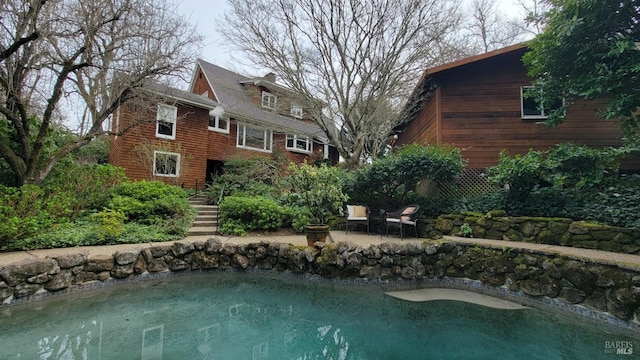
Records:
x=208, y=16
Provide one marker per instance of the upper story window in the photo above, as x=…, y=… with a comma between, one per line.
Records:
x=269, y=100
x=166, y=164
x=296, y=111
x=254, y=138
x=206, y=93
x=299, y=143
x=531, y=106
x=166, y=121
x=219, y=124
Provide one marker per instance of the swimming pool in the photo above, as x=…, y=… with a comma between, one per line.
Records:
x=248, y=316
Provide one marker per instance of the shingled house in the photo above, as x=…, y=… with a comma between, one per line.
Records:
x=189, y=135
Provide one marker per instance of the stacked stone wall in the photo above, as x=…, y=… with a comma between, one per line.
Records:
x=552, y=231
x=601, y=287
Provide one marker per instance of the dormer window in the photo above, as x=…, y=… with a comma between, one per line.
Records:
x=296, y=111
x=269, y=100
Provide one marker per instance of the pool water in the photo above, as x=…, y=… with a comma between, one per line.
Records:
x=242, y=316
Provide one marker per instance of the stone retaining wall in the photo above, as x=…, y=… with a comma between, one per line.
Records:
x=605, y=288
x=552, y=231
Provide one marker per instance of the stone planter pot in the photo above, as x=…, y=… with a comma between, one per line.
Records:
x=316, y=232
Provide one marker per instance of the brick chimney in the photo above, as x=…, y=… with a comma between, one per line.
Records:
x=271, y=77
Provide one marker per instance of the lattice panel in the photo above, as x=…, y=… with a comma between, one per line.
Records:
x=470, y=183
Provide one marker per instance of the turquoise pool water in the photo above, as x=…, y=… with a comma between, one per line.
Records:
x=241, y=316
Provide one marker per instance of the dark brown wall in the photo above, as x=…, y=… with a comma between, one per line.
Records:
x=480, y=114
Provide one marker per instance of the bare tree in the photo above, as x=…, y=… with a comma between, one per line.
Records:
x=488, y=28
x=95, y=55
x=534, y=10
x=361, y=59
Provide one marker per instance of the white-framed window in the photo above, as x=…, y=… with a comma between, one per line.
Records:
x=206, y=93
x=254, y=138
x=269, y=100
x=296, y=111
x=166, y=164
x=299, y=143
x=166, y=121
x=531, y=106
x=219, y=124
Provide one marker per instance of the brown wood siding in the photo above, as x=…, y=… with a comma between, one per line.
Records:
x=480, y=114
x=195, y=143
x=201, y=85
x=424, y=128
x=134, y=150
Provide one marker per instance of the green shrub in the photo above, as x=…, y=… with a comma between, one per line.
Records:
x=149, y=201
x=316, y=188
x=89, y=184
x=80, y=233
x=566, y=166
x=26, y=211
x=391, y=182
x=299, y=217
x=246, y=177
x=250, y=213
x=618, y=204
x=84, y=232
x=233, y=227
x=109, y=223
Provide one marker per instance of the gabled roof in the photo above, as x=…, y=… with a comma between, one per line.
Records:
x=237, y=102
x=182, y=96
x=475, y=58
x=426, y=84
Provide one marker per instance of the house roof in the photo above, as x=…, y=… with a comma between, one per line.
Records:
x=475, y=58
x=183, y=96
x=237, y=102
x=425, y=86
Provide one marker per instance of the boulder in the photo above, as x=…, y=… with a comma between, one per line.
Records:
x=98, y=263
x=60, y=281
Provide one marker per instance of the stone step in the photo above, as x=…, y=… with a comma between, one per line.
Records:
x=198, y=223
x=199, y=199
x=205, y=207
x=206, y=218
x=202, y=230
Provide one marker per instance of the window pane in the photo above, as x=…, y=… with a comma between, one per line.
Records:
x=268, y=100
x=241, y=135
x=296, y=111
x=212, y=121
x=165, y=128
x=531, y=107
x=166, y=117
x=254, y=138
x=166, y=164
x=301, y=144
x=223, y=124
x=268, y=140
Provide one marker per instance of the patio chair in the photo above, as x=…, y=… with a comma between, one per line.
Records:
x=356, y=214
x=405, y=216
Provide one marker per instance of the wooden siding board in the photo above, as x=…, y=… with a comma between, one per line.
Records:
x=477, y=109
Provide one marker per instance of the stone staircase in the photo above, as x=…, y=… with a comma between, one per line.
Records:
x=206, y=221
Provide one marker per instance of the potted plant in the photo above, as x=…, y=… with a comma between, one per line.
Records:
x=317, y=190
